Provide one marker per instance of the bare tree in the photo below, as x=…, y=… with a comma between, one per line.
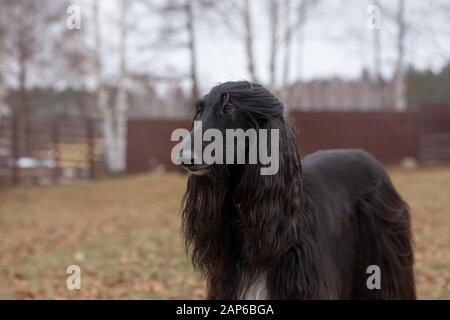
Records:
x=288, y=44
x=101, y=90
x=295, y=16
x=114, y=117
x=274, y=13
x=377, y=48
x=28, y=41
x=240, y=25
x=248, y=39
x=190, y=27
x=409, y=23
x=119, y=164
x=281, y=30
x=181, y=35
x=399, y=81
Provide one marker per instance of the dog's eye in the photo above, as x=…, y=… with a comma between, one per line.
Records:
x=227, y=108
x=199, y=106
x=198, y=111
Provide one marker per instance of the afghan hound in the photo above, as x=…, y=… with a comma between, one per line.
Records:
x=310, y=231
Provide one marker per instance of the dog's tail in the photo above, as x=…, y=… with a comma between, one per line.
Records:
x=384, y=242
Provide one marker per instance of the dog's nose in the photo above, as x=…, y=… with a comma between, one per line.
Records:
x=186, y=158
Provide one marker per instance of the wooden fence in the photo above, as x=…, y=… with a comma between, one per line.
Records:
x=389, y=136
x=42, y=150
x=35, y=150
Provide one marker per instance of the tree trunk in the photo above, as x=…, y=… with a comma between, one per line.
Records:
x=273, y=40
x=376, y=99
x=377, y=50
x=399, y=81
x=102, y=93
x=287, y=50
x=121, y=101
x=247, y=17
x=192, y=47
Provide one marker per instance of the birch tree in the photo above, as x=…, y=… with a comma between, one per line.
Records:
x=274, y=13
x=102, y=96
x=119, y=164
x=399, y=78
x=377, y=45
x=114, y=117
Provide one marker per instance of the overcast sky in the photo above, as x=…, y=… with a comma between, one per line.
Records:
x=336, y=42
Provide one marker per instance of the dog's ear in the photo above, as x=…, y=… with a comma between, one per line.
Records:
x=269, y=204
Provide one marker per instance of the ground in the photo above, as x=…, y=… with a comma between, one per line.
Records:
x=124, y=235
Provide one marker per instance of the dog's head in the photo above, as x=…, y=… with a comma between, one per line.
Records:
x=240, y=211
x=225, y=125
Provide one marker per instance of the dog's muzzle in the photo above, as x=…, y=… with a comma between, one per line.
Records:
x=190, y=162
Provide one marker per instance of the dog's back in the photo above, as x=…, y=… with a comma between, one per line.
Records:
x=353, y=171
x=366, y=221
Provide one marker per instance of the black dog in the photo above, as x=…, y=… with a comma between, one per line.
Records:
x=309, y=231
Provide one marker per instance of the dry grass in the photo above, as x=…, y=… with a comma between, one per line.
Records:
x=124, y=234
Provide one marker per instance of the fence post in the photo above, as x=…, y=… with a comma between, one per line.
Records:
x=91, y=147
x=15, y=170
x=55, y=148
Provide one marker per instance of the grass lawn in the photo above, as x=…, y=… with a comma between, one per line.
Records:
x=124, y=234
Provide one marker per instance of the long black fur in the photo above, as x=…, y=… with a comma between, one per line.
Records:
x=312, y=229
